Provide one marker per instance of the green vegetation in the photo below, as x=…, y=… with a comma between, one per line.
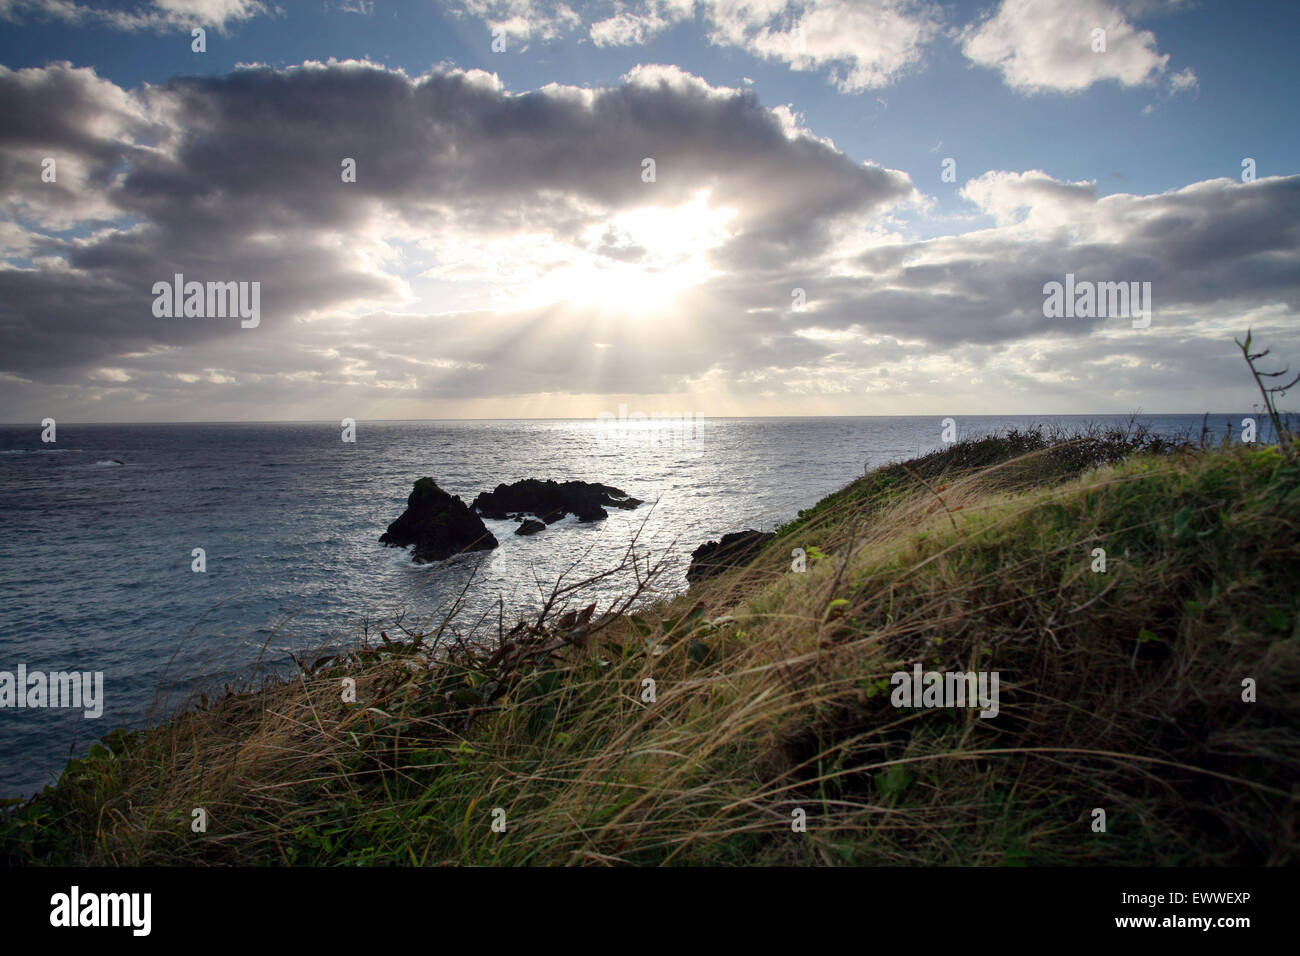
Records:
x=1120, y=690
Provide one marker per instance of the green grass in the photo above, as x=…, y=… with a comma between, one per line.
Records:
x=1119, y=690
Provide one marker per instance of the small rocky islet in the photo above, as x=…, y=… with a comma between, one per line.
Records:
x=437, y=525
x=552, y=500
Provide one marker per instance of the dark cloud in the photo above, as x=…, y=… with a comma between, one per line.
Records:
x=237, y=177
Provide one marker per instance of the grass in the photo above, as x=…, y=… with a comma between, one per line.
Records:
x=1120, y=691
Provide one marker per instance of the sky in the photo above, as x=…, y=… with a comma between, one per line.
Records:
x=529, y=208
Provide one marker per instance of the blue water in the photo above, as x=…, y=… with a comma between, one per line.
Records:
x=95, y=557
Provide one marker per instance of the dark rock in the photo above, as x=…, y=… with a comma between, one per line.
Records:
x=530, y=526
x=551, y=501
x=737, y=548
x=438, y=525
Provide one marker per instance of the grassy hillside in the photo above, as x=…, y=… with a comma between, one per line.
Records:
x=1119, y=690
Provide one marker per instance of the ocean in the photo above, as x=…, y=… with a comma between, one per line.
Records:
x=100, y=527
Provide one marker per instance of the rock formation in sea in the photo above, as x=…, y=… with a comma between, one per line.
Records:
x=739, y=547
x=551, y=500
x=439, y=525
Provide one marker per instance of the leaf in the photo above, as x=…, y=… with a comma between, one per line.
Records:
x=893, y=781
x=878, y=686
x=1146, y=637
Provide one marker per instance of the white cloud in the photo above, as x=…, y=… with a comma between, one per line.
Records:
x=522, y=20
x=157, y=15
x=640, y=23
x=1048, y=45
x=1183, y=81
x=864, y=44
x=1032, y=198
x=861, y=44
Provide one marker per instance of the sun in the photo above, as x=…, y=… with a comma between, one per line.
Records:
x=636, y=263
x=628, y=290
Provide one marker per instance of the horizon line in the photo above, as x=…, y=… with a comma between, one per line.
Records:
x=663, y=417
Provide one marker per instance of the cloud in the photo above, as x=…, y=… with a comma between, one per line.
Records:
x=861, y=44
x=1052, y=46
x=1213, y=252
x=639, y=23
x=1032, y=197
x=864, y=44
x=237, y=178
x=1183, y=81
x=84, y=124
x=522, y=20
x=1037, y=45
x=158, y=15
